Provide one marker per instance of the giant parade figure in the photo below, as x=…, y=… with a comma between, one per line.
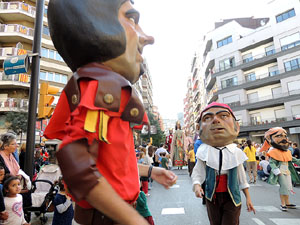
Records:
x=281, y=163
x=102, y=42
x=220, y=166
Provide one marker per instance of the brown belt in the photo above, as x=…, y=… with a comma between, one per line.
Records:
x=93, y=217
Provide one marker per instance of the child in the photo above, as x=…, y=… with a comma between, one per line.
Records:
x=141, y=158
x=13, y=201
x=63, y=213
x=142, y=208
x=164, y=161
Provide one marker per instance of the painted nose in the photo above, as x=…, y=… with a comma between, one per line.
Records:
x=144, y=39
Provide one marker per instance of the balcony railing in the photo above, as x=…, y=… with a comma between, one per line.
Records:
x=22, y=78
x=259, y=56
x=5, y=28
x=13, y=104
x=263, y=98
x=260, y=121
x=9, y=51
x=18, y=6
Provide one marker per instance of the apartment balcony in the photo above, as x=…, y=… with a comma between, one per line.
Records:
x=210, y=80
x=265, y=101
x=260, y=81
x=258, y=60
x=212, y=95
x=10, y=33
x=265, y=124
x=14, y=104
x=14, y=81
x=17, y=11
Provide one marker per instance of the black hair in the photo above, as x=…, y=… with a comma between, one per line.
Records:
x=60, y=184
x=249, y=143
x=85, y=31
x=7, y=180
x=263, y=157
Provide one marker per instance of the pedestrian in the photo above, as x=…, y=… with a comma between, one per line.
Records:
x=281, y=163
x=13, y=201
x=63, y=212
x=22, y=155
x=296, y=151
x=98, y=107
x=164, y=161
x=263, y=172
x=191, y=159
x=250, y=151
x=220, y=165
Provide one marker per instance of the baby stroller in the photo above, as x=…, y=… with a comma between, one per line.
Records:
x=42, y=193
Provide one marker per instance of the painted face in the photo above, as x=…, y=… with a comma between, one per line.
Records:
x=218, y=127
x=12, y=146
x=14, y=187
x=129, y=64
x=280, y=140
x=2, y=174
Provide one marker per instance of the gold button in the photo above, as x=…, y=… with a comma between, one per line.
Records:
x=134, y=112
x=74, y=99
x=108, y=98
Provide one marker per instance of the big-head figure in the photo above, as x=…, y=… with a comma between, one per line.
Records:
x=102, y=42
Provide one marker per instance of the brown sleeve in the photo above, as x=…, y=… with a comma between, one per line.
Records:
x=78, y=166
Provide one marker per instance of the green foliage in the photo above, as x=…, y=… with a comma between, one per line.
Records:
x=17, y=121
x=157, y=138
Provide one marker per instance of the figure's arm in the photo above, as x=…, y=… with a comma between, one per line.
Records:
x=84, y=182
x=198, y=178
x=245, y=187
x=295, y=160
x=273, y=164
x=165, y=177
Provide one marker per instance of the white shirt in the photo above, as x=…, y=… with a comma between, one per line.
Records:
x=208, y=155
x=264, y=164
x=14, y=207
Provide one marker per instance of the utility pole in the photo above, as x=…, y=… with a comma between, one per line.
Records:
x=34, y=86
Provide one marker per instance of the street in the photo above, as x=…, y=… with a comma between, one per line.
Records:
x=179, y=206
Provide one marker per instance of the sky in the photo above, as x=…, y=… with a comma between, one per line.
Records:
x=177, y=26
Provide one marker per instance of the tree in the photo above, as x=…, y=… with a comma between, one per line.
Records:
x=157, y=138
x=17, y=122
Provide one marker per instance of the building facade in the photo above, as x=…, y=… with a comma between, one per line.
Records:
x=16, y=38
x=253, y=65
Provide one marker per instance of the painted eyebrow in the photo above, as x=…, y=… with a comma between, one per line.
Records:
x=133, y=11
x=210, y=113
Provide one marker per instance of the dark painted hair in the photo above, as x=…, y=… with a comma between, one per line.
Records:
x=85, y=31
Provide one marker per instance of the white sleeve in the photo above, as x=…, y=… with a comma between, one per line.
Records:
x=199, y=173
x=63, y=207
x=242, y=177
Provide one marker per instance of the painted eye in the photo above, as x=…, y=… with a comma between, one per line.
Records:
x=132, y=19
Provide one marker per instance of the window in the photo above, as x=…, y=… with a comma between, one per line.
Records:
x=285, y=16
x=280, y=113
x=270, y=50
x=253, y=97
x=58, y=57
x=232, y=101
x=50, y=77
x=229, y=82
x=64, y=79
x=294, y=87
x=250, y=77
x=255, y=119
x=290, y=41
x=247, y=58
x=276, y=92
x=225, y=41
x=227, y=63
x=45, y=52
x=51, y=54
x=296, y=111
x=273, y=71
x=43, y=75
x=57, y=77
x=292, y=65
x=46, y=30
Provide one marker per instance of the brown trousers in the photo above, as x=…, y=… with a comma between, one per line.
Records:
x=222, y=211
x=91, y=217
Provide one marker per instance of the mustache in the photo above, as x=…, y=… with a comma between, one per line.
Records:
x=283, y=142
